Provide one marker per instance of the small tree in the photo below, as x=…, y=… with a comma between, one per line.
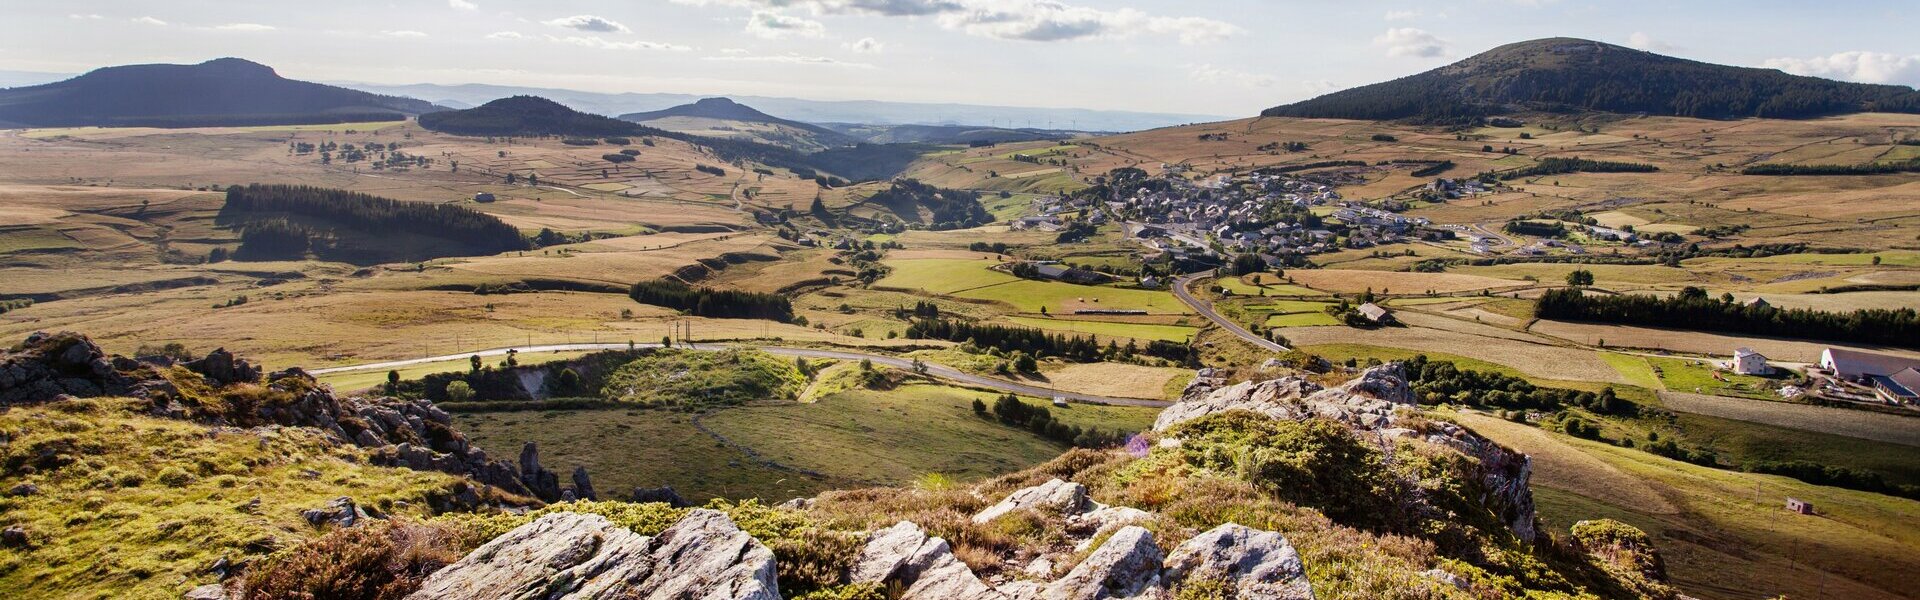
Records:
x=393, y=382
x=1580, y=277
x=474, y=361
x=459, y=391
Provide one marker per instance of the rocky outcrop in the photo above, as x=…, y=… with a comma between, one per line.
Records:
x=405, y=433
x=543, y=483
x=49, y=366
x=583, y=485
x=340, y=512
x=1257, y=564
x=1126, y=566
x=1371, y=404
x=566, y=556
x=923, y=567
x=1060, y=497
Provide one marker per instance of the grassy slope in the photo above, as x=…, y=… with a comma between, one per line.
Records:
x=1731, y=537
x=891, y=437
x=1139, y=331
x=148, y=503
x=849, y=438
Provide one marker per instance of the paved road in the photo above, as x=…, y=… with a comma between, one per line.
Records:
x=1206, y=309
x=940, y=371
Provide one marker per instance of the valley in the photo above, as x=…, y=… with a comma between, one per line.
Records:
x=843, y=324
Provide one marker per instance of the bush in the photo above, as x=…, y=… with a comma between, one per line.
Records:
x=387, y=561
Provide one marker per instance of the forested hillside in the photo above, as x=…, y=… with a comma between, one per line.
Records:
x=288, y=222
x=1565, y=74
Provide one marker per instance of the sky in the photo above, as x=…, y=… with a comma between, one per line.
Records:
x=1212, y=57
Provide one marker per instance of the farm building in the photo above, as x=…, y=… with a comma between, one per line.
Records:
x=1747, y=362
x=1758, y=302
x=483, y=197
x=1374, y=313
x=1899, y=388
x=1800, y=506
x=1150, y=282
x=1854, y=365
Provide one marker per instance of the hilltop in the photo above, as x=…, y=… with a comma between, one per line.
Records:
x=722, y=117
x=528, y=115
x=219, y=92
x=1568, y=74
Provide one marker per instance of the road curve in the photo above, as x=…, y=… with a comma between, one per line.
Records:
x=939, y=371
x=1206, y=308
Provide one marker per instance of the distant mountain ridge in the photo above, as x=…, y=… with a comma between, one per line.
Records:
x=529, y=115
x=1567, y=74
x=223, y=91
x=536, y=116
x=722, y=117
x=810, y=111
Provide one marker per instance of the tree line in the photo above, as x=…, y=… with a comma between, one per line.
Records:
x=359, y=213
x=951, y=209
x=1693, y=309
x=709, y=302
x=1009, y=410
x=1439, y=381
x=1038, y=343
x=1912, y=166
x=1556, y=166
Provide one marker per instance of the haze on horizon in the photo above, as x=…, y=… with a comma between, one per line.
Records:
x=1231, y=57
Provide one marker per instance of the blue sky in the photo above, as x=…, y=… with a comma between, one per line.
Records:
x=1224, y=57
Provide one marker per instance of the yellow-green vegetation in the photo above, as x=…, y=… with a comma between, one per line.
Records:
x=1634, y=368
x=1695, y=375
x=1726, y=534
x=890, y=437
x=1306, y=319
x=130, y=506
x=694, y=379
x=973, y=279
x=357, y=381
x=942, y=275
x=1269, y=285
x=1106, y=329
x=626, y=449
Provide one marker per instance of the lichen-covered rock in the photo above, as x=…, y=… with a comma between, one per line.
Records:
x=569, y=556
x=924, y=566
x=1258, y=564
x=663, y=494
x=1064, y=497
x=583, y=485
x=543, y=483
x=1126, y=566
x=339, y=512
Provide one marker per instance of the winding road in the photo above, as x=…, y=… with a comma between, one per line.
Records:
x=1206, y=309
x=939, y=371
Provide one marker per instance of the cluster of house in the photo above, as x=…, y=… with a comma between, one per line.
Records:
x=1457, y=188
x=1238, y=214
x=1050, y=209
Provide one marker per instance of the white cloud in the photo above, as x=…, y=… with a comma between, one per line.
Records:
x=772, y=25
x=506, y=35
x=1318, y=86
x=1217, y=75
x=793, y=59
x=404, y=33
x=735, y=51
x=865, y=46
x=244, y=27
x=589, y=23
x=149, y=21
x=604, y=44
x=1409, y=41
x=462, y=5
x=1857, y=65
x=1028, y=20
x=1402, y=15
x=85, y=17
x=1641, y=41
